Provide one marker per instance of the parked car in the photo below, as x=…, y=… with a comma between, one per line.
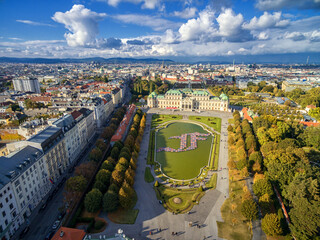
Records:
x=61, y=215
x=56, y=225
x=24, y=232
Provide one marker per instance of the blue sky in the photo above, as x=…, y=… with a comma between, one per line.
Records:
x=158, y=28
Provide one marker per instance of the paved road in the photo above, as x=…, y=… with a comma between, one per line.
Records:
x=153, y=216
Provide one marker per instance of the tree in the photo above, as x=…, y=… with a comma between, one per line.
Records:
x=104, y=176
x=287, y=103
x=120, y=167
x=311, y=137
x=101, y=145
x=110, y=201
x=114, y=152
x=125, y=155
x=93, y=200
x=270, y=224
x=249, y=209
x=132, y=164
x=156, y=184
x=124, y=162
x=114, y=188
x=101, y=186
x=107, y=165
x=117, y=177
x=95, y=155
x=126, y=197
x=118, y=144
x=127, y=150
x=129, y=142
x=261, y=187
x=86, y=169
x=76, y=184
x=230, y=128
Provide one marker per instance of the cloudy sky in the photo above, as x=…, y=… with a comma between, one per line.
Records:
x=158, y=28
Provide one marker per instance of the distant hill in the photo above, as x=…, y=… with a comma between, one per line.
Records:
x=83, y=60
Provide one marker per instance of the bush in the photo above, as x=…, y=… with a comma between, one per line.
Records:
x=98, y=225
x=156, y=184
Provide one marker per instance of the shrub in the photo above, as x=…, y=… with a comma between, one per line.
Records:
x=156, y=184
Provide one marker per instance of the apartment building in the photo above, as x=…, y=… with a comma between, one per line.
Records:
x=24, y=182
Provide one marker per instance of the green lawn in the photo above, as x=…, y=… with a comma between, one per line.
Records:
x=158, y=119
x=182, y=165
x=212, y=183
x=125, y=216
x=213, y=122
x=189, y=198
x=148, y=176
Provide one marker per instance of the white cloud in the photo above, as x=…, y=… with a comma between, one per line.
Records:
x=150, y=4
x=315, y=36
x=186, y=13
x=156, y=23
x=281, y=4
x=34, y=23
x=229, y=23
x=198, y=28
x=169, y=37
x=82, y=24
x=295, y=36
x=263, y=36
x=266, y=20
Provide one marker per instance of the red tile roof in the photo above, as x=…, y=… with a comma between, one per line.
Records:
x=308, y=124
x=246, y=115
x=69, y=234
x=124, y=124
x=76, y=114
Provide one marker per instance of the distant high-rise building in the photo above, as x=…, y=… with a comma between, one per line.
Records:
x=26, y=84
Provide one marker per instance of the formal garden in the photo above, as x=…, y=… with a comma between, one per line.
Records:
x=183, y=153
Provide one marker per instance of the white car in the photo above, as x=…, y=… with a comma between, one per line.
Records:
x=56, y=225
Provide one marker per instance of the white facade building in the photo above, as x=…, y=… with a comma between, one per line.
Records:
x=26, y=182
x=26, y=84
x=189, y=100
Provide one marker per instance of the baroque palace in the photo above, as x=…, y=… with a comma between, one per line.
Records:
x=189, y=100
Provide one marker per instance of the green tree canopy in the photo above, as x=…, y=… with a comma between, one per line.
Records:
x=110, y=201
x=76, y=184
x=270, y=224
x=93, y=200
x=261, y=187
x=249, y=209
x=104, y=176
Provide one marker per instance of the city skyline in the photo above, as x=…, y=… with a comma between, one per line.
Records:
x=202, y=30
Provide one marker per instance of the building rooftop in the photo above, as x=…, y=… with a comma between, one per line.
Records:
x=16, y=163
x=65, y=233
